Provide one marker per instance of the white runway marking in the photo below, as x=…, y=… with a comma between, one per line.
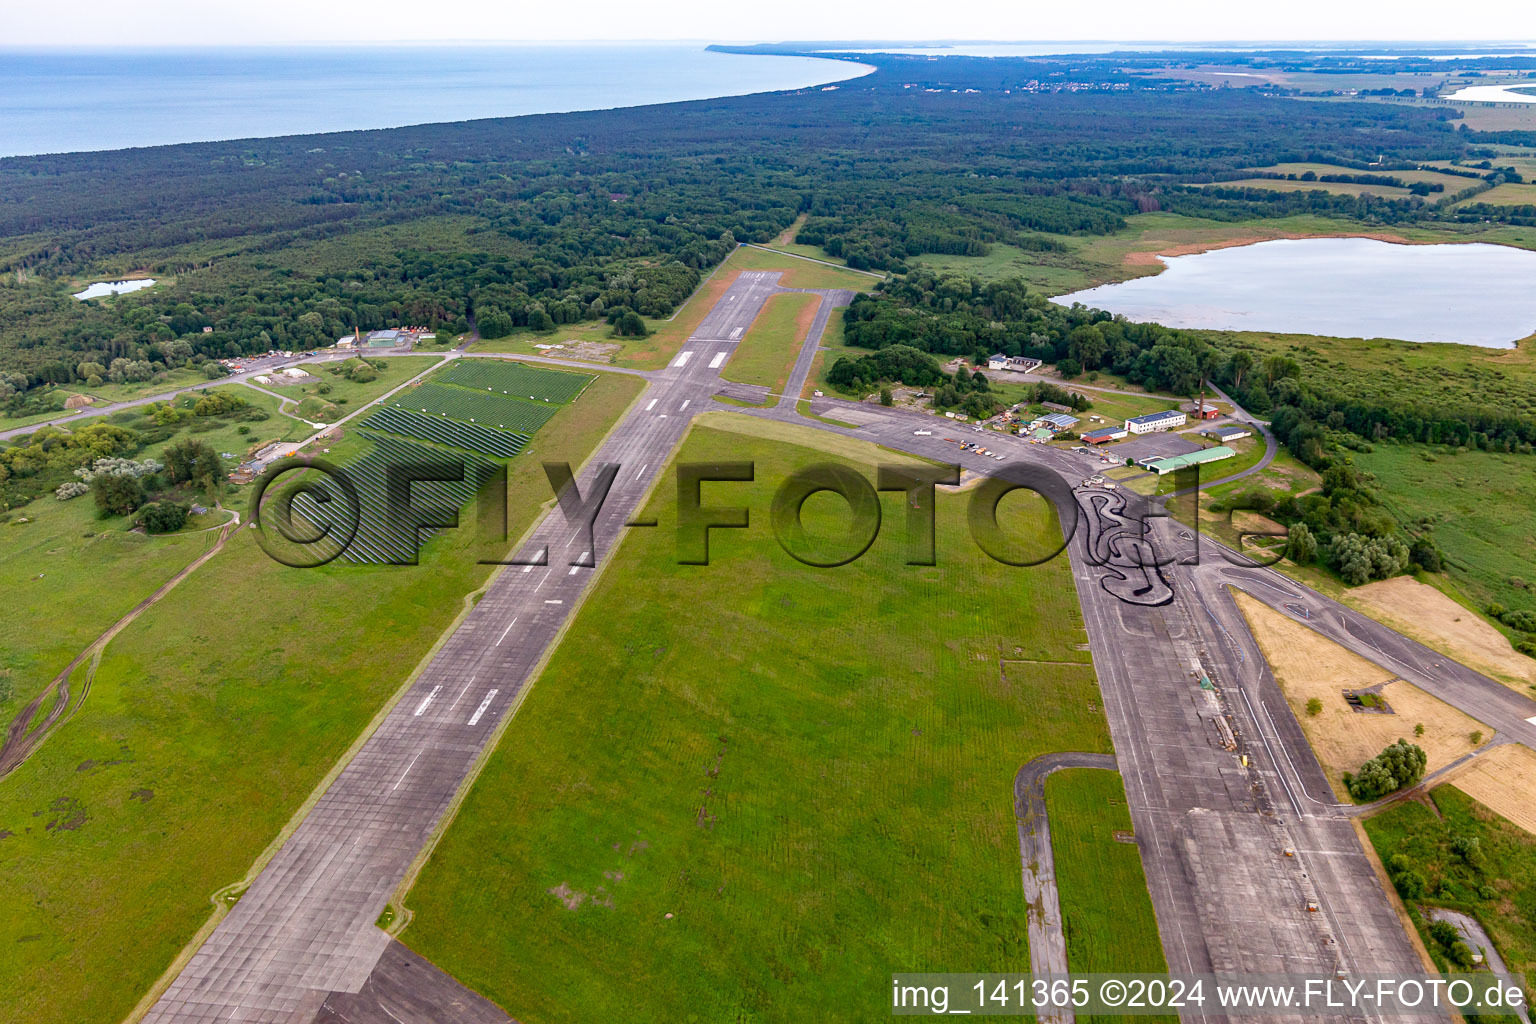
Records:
x=405, y=773
x=735, y=333
x=684, y=405
x=505, y=632
x=682, y=358
x=554, y=602
x=466, y=687
x=1532, y=719
x=642, y=471
x=474, y=718
x=527, y=568
x=651, y=404
x=573, y=570
x=714, y=364
x=426, y=700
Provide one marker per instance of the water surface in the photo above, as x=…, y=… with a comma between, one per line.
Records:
x=100, y=289
x=56, y=102
x=1341, y=288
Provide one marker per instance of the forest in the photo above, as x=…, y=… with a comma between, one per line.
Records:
x=534, y=222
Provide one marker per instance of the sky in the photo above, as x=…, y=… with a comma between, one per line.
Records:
x=340, y=22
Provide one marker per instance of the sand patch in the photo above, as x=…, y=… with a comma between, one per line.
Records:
x=1307, y=665
x=1153, y=257
x=1422, y=612
x=1504, y=781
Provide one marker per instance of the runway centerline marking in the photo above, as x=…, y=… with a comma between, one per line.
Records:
x=642, y=471
x=506, y=631
x=425, y=701
x=466, y=688
x=405, y=773
x=475, y=718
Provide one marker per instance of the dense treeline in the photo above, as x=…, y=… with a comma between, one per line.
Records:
x=539, y=221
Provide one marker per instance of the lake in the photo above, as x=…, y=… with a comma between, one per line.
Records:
x=1496, y=93
x=101, y=289
x=1475, y=294
x=57, y=102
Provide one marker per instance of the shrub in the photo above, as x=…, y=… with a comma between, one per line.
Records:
x=73, y=489
x=1314, y=706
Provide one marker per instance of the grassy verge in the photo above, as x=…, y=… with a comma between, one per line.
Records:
x=809, y=770
x=1454, y=852
x=209, y=721
x=1106, y=911
x=801, y=273
x=766, y=354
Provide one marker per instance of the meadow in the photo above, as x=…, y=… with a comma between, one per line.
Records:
x=209, y=723
x=743, y=789
x=1478, y=507
x=1494, y=882
x=1106, y=912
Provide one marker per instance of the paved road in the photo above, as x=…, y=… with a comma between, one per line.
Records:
x=265, y=364
x=1220, y=783
x=305, y=927
x=1213, y=830
x=1047, y=938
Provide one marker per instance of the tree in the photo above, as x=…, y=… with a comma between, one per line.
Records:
x=193, y=462
x=1087, y=345
x=1069, y=367
x=886, y=397
x=161, y=517
x=116, y=495
x=1400, y=764
x=1239, y=363
x=1301, y=548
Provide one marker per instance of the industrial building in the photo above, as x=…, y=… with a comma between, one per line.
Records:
x=1153, y=421
x=1104, y=434
x=1176, y=462
x=1055, y=422
x=1228, y=432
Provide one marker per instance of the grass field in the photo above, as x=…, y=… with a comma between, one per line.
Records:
x=1497, y=885
x=502, y=376
x=1479, y=506
x=209, y=722
x=1105, y=909
x=68, y=576
x=810, y=770
x=1506, y=194
x=1010, y=261
x=766, y=354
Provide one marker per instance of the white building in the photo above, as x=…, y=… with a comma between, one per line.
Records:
x=1155, y=421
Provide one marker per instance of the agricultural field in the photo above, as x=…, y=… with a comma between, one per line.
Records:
x=502, y=412
x=766, y=354
x=1507, y=194
x=440, y=430
x=1106, y=912
x=209, y=723
x=1478, y=507
x=810, y=770
x=516, y=379
x=1492, y=878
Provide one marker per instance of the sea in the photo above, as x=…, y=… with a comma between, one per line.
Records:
x=59, y=101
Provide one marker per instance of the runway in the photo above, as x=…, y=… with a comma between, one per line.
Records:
x=1236, y=826
x=305, y=927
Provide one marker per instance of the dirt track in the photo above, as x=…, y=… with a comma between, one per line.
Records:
x=24, y=734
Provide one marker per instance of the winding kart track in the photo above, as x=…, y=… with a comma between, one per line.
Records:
x=1220, y=782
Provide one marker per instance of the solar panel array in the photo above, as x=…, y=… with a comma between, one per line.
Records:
x=441, y=430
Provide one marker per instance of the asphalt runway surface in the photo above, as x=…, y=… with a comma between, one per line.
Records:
x=305, y=927
x=1237, y=828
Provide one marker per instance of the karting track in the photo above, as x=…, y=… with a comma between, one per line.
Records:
x=1212, y=830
